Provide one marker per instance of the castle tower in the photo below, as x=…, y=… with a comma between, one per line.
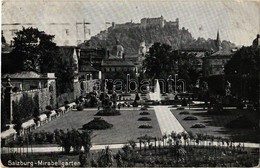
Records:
x=218, y=41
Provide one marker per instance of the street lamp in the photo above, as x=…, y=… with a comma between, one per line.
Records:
x=175, y=82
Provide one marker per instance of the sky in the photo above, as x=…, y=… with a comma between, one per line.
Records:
x=238, y=21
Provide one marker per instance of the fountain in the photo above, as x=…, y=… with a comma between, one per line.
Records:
x=156, y=95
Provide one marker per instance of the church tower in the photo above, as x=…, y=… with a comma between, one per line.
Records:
x=218, y=42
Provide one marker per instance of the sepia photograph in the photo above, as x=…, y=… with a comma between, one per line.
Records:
x=130, y=83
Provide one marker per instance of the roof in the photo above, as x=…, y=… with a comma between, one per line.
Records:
x=87, y=68
x=23, y=74
x=28, y=75
x=117, y=62
x=222, y=53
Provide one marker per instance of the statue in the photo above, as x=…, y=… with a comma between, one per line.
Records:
x=228, y=87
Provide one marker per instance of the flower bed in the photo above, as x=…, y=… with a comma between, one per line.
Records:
x=145, y=113
x=143, y=108
x=145, y=126
x=97, y=124
x=190, y=118
x=180, y=108
x=184, y=113
x=111, y=112
x=198, y=125
x=144, y=119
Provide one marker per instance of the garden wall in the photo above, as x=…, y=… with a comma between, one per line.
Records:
x=26, y=102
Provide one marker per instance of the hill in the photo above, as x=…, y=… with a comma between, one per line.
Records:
x=131, y=35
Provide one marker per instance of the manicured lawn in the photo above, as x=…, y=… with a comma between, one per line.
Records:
x=125, y=126
x=215, y=124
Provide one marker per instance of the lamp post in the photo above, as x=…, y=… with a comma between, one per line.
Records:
x=175, y=82
x=127, y=77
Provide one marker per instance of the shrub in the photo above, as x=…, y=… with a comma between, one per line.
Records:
x=198, y=125
x=240, y=105
x=49, y=107
x=145, y=126
x=58, y=111
x=48, y=113
x=180, y=108
x=184, y=102
x=145, y=113
x=80, y=107
x=144, y=108
x=241, y=122
x=97, y=124
x=108, y=112
x=184, y=113
x=144, y=119
x=190, y=118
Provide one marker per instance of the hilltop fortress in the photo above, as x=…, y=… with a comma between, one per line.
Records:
x=159, y=22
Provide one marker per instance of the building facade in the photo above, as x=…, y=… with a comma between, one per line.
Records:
x=215, y=63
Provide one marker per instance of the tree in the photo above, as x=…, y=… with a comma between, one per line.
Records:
x=242, y=71
x=34, y=50
x=244, y=61
x=159, y=62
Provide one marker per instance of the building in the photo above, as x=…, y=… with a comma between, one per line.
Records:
x=159, y=22
x=116, y=63
x=28, y=84
x=92, y=57
x=199, y=54
x=215, y=63
x=29, y=80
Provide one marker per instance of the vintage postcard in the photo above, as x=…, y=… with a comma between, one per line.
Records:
x=130, y=83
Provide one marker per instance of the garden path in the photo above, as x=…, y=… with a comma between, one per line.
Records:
x=167, y=120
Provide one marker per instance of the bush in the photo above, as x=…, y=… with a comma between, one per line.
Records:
x=144, y=119
x=240, y=105
x=180, y=108
x=58, y=111
x=241, y=122
x=108, y=112
x=145, y=126
x=97, y=124
x=144, y=108
x=198, y=125
x=49, y=107
x=184, y=102
x=80, y=107
x=145, y=113
x=48, y=113
x=184, y=113
x=190, y=118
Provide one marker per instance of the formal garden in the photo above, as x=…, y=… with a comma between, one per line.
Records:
x=168, y=151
